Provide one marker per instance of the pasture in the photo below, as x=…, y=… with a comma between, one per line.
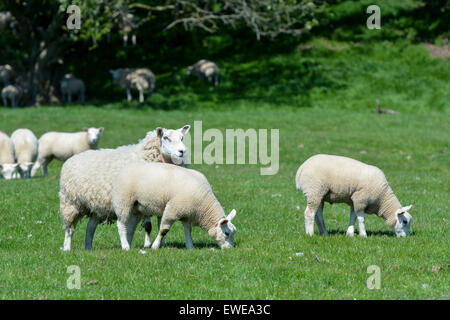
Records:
x=273, y=258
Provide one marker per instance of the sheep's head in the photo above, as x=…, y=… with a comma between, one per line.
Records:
x=25, y=169
x=115, y=74
x=225, y=231
x=403, y=221
x=189, y=70
x=93, y=134
x=171, y=144
x=8, y=170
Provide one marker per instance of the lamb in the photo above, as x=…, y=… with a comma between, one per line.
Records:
x=6, y=74
x=206, y=70
x=8, y=164
x=26, y=151
x=87, y=178
x=13, y=93
x=337, y=179
x=136, y=79
x=172, y=193
x=63, y=145
x=72, y=86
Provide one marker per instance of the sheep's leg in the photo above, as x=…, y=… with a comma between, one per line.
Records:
x=148, y=229
x=36, y=167
x=362, y=227
x=90, y=230
x=163, y=242
x=69, y=97
x=133, y=39
x=351, y=226
x=70, y=215
x=5, y=102
x=122, y=228
x=166, y=223
x=68, y=238
x=188, y=236
x=129, y=96
x=131, y=228
x=141, y=95
x=310, y=213
x=319, y=220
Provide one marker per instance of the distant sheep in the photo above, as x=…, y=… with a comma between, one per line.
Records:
x=63, y=145
x=8, y=163
x=134, y=79
x=205, y=70
x=71, y=86
x=174, y=194
x=12, y=93
x=6, y=74
x=87, y=178
x=363, y=187
x=26, y=150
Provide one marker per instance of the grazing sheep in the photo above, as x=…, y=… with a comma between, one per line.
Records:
x=26, y=150
x=172, y=193
x=137, y=79
x=7, y=157
x=72, y=86
x=87, y=178
x=205, y=70
x=6, y=74
x=363, y=187
x=63, y=145
x=13, y=93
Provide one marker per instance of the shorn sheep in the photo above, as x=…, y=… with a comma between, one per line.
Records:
x=71, y=86
x=26, y=150
x=363, y=187
x=87, y=178
x=174, y=194
x=12, y=93
x=8, y=163
x=63, y=145
x=134, y=79
x=205, y=70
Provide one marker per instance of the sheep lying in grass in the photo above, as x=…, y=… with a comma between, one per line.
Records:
x=13, y=93
x=205, y=70
x=363, y=187
x=63, y=145
x=87, y=178
x=6, y=74
x=71, y=86
x=7, y=157
x=26, y=150
x=172, y=193
x=134, y=79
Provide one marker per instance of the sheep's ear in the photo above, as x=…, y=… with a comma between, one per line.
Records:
x=101, y=129
x=231, y=215
x=406, y=209
x=223, y=222
x=159, y=132
x=185, y=129
x=85, y=129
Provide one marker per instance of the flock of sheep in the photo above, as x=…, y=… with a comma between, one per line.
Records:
x=134, y=182
x=141, y=80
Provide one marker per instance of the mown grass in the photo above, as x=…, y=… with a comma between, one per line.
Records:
x=412, y=148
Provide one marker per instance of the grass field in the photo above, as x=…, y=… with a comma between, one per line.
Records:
x=413, y=149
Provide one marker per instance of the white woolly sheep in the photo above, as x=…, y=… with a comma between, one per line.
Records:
x=71, y=86
x=363, y=187
x=26, y=150
x=174, y=194
x=6, y=74
x=134, y=79
x=86, y=179
x=13, y=93
x=205, y=70
x=63, y=145
x=7, y=157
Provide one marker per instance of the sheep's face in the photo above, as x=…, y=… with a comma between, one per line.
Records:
x=93, y=135
x=115, y=74
x=403, y=222
x=225, y=231
x=8, y=170
x=25, y=169
x=171, y=144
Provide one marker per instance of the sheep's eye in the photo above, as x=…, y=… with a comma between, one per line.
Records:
x=405, y=222
x=227, y=233
x=166, y=138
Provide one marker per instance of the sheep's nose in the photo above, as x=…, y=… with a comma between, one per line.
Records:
x=181, y=152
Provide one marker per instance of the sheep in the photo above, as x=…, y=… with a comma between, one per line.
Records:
x=172, y=193
x=206, y=70
x=7, y=21
x=337, y=179
x=136, y=79
x=8, y=164
x=26, y=150
x=63, y=145
x=86, y=179
x=6, y=74
x=72, y=86
x=13, y=93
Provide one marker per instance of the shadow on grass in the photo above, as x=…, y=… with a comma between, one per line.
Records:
x=369, y=233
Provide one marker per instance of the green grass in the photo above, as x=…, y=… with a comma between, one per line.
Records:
x=412, y=148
